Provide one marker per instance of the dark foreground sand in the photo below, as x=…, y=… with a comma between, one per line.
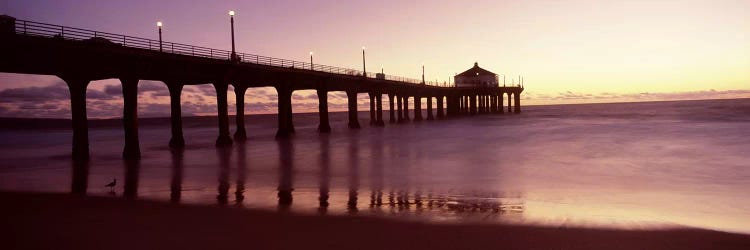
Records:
x=59, y=221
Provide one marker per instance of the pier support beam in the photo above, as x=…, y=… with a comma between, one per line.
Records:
x=464, y=105
x=132, y=149
x=487, y=104
x=406, y=108
x=286, y=125
x=453, y=103
x=400, y=108
x=473, y=105
x=460, y=104
x=175, y=92
x=498, y=103
x=392, y=113
x=223, y=112
x=490, y=104
x=449, y=103
x=467, y=105
x=494, y=103
x=500, y=107
x=417, y=108
x=352, y=98
x=77, y=88
x=509, y=106
x=372, y=108
x=480, y=104
x=517, y=105
x=80, y=155
x=440, y=113
x=430, y=117
x=379, y=108
x=324, y=126
x=239, y=92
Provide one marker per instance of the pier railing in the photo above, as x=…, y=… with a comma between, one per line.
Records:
x=32, y=28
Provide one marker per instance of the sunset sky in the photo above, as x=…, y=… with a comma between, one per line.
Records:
x=569, y=51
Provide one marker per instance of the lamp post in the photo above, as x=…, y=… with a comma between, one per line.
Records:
x=364, y=65
x=503, y=80
x=159, y=24
x=231, y=22
x=311, y=60
x=423, y=74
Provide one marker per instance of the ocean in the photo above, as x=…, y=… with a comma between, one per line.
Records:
x=623, y=165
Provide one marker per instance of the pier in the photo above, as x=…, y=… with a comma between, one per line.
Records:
x=80, y=56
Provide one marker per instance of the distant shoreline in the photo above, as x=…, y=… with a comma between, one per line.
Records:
x=62, y=221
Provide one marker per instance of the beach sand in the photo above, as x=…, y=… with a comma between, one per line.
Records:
x=61, y=221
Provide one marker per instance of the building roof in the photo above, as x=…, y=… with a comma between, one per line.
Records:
x=476, y=71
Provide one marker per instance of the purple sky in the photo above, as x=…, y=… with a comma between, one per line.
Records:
x=569, y=51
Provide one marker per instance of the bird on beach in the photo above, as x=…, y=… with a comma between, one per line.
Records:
x=111, y=185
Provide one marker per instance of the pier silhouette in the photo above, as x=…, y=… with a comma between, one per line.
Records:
x=79, y=56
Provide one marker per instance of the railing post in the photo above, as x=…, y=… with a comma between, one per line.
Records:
x=24, y=27
x=62, y=31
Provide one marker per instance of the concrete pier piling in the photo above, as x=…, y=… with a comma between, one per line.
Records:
x=392, y=112
x=440, y=110
x=430, y=117
x=132, y=147
x=175, y=92
x=285, y=127
x=239, y=92
x=352, y=101
x=417, y=108
x=324, y=126
x=223, y=113
x=379, y=109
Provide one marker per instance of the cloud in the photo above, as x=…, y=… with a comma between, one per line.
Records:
x=113, y=90
x=302, y=96
x=54, y=92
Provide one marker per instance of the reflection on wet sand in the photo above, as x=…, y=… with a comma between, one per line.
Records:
x=224, y=154
x=132, y=173
x=353, y=156
x=400, y=196
x=239, y=193
x=325, y=173
x=175, y=185
x=377, y=177
x=80, y=176
x=286, y=166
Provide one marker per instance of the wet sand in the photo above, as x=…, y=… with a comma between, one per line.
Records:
x=60, y=221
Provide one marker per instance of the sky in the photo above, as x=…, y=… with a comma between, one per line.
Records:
x=568, y=51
